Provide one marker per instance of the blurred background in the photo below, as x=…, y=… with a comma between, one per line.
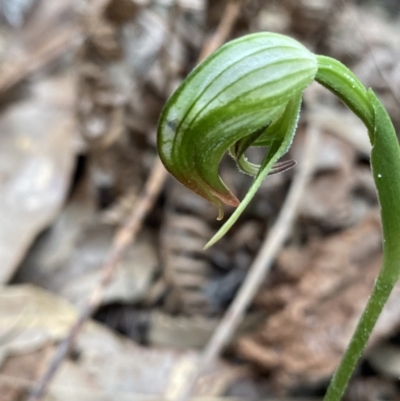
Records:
x=82, y=84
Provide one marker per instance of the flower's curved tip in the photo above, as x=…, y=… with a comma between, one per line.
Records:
x=231, y=201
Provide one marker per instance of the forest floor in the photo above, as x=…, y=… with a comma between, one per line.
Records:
x=101, y=251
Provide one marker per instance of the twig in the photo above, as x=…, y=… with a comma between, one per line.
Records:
x=56, y=45
x=127, y=233
x=261, y=265
x=122, y=239
x=224, y=28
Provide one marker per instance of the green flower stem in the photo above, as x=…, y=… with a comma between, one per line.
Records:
x=345, y=85
x=385, y=163
x=374, y=307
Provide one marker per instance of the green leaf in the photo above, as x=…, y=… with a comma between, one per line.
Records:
x=243, y=87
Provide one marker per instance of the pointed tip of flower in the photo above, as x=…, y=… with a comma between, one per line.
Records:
x=230, y=200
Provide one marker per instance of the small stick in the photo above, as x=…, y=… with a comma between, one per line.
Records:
x=122, y=239
x=273, y=242
x=57, y=45
x=225, y=26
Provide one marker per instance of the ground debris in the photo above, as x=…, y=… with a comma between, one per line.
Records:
x=106, y=366
x=82, y=85
x=320, y=292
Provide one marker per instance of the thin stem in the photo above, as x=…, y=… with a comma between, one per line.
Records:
x=374, y=307
x=385, y=163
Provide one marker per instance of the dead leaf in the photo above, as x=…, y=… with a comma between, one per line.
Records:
x=185, y=332
x=312, y=319
x=67, y=259
x=48, y=33
x=37, y=155
x=107, y=366
x=30, y=318
x=329, y=201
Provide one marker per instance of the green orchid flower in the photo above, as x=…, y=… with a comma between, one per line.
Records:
x=248, y=93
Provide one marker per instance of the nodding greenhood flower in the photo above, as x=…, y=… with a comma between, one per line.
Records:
x=247, y=93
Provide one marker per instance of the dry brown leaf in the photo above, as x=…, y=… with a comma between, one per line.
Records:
x=31, y=318
x=68, y=257
x=19, y=372
x=313, y=318
x=330, y=202
x=37, y=155
x=106, y=367
x=185, y=332
x=49, y=33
